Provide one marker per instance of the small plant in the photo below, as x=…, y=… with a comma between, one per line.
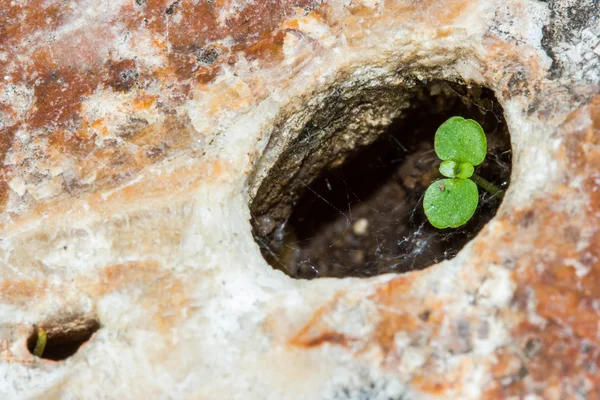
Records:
x=40, y=343
x=461, y=145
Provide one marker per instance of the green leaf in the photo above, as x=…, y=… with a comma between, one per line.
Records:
x=450, y=203
x=452, y=169
x=449, y=169
x=465, y=171
x=461, y=140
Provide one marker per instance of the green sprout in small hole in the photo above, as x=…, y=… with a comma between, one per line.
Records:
x=451, y=202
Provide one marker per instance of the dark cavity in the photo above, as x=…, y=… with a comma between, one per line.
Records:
x=366, y=218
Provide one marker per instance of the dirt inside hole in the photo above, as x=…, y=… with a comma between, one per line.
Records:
x=63, y=337
x=366, y=218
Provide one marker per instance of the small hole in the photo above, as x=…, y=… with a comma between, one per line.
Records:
x=424, y=316
x=365, y=217
x=64, y=337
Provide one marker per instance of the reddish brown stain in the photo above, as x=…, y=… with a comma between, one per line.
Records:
x=595, y=114
x=4, y=193
x=197, y=24
x=21, y=290
x=562, y=365
x=269, y=48
x=392, y=302
x=71, y=144
x=123, y=74
x=19, y=19
x=58, y=97
x=508, y=373
x=318, y=332
x=116, y=277
x=188, y=64
x=63, y=72
x=328, y=337
x=434, y=384
x=559, y=276
x=6, y=139
x=58, y=90
x=568, y=308
x=155, y=281
x=255, y=21
x=196, y=27
x=527, y=218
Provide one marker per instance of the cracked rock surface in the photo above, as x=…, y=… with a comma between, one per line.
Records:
x=134, y=136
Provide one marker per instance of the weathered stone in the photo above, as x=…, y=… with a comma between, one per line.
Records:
x=135, y=135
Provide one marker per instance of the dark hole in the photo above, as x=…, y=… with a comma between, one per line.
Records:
x=64, y=338
x=425, y=315
x=366, y=216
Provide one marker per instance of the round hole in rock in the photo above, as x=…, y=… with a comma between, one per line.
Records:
x=361, y=213
x=63, y=337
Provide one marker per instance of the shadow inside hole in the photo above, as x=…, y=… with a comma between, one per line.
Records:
x=63, y=339
x=366, y=217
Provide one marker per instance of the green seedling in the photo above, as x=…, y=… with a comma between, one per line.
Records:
x=40, y=344
x=451, y=202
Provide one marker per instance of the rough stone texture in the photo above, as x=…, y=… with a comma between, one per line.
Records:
x=134, y=135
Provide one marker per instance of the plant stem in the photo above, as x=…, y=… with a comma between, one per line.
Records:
x=40, y=344
x=488, y=186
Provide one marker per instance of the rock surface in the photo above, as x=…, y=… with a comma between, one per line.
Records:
x=134, y=136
